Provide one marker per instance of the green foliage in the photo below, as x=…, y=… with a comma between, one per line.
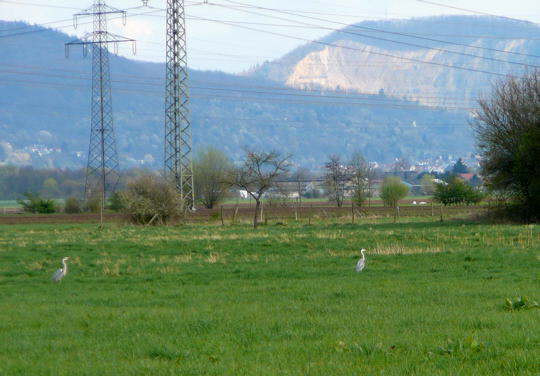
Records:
x=115, y=202
x=210, y=167
x=520, y=303
x=508, y=134
x=52, y=183
x=526, y=170
x=460, y=167
x=457, y=192
x=393, y=190
x=35, y=204
x=72, y=205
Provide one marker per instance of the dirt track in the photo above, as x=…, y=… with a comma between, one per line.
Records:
x=15, y=219
x=273, y=213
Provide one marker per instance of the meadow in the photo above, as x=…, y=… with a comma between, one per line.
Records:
x=206, y=299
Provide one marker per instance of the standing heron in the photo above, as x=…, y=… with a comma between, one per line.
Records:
x=362, y=262
x=60, y=273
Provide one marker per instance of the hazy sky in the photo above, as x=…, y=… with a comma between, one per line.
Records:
x=230, y=48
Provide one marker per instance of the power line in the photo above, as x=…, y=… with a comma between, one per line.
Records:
x=356, y=26
x=82, y=23
x=359, y=49
x=255, y=99
x=251, y=89
x=220, y=83
x=474, y=11
x=38, y=5
x=371, y=29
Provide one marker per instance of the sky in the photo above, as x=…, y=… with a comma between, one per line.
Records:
x=214, y=45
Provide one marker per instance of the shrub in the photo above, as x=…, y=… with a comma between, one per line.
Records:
x=35, y=204
x=150, y=199
x=72, y=205
x=457, y=192
x=115, y=202
x=93, y=204
x=393, y=190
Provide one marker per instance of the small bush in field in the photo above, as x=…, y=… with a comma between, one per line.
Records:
x=72, y=205
x=393, y=190
x=93, y=204
x=457, y=192
x=35, y=204
x=150, y=199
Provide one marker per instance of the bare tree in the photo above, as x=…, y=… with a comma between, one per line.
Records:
x=257, y=174
x=359, y=171
x=300, y=178
x=335, y=179
x=371, y=175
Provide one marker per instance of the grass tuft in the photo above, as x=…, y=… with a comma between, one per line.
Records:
x=520, y=303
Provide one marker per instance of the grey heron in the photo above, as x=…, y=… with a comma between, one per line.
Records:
x=60, y=273
x=362, y=262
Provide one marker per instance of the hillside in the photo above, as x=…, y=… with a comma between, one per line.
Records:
x=367, y=63
x=44, y=112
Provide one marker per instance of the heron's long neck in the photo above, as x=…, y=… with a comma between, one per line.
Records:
x=363, y=256
x=65, y=266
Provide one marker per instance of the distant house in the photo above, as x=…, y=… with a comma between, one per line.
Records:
x=439, y=181
x=467, y=176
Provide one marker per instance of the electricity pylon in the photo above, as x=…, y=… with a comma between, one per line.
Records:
x=178, y=141
x=102, y=173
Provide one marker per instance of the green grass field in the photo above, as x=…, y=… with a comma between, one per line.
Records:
x=281, y=300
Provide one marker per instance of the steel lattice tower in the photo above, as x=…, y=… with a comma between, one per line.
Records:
x=102, y=167
x=178, y=163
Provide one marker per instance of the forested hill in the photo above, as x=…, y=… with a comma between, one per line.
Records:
x=45, y=100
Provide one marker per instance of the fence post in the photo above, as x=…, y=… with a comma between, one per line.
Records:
x=222, y=222
x=352, y=211
x=234, y=215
